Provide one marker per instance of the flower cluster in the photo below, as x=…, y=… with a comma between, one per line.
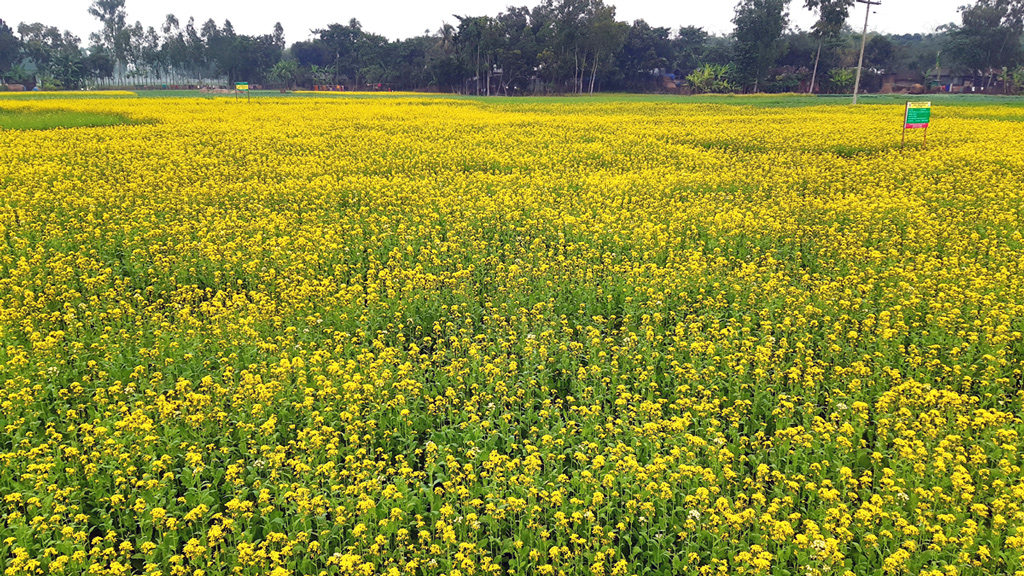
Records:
x=445, y=337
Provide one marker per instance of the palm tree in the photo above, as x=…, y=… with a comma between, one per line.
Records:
x=446, y=38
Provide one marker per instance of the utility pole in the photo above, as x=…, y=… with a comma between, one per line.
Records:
x=863, y=43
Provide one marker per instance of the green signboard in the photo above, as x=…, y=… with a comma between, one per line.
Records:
x=242, y=87
x=918, y=115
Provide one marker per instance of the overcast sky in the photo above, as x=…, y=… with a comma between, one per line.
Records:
x=404, y=18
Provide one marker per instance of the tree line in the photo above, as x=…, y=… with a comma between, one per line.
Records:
x=557, y=46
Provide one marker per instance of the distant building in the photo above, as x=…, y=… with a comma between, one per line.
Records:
x=906, y=81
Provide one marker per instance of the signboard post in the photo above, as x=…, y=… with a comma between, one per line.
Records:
x=242, y=87
x=917, y=115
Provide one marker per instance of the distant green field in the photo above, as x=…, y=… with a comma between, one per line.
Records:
x=65, y=95
x=758, y=100
x=46, y=119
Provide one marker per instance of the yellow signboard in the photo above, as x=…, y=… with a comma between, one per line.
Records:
x=241, y=85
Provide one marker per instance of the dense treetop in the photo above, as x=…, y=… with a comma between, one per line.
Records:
x=562, y=46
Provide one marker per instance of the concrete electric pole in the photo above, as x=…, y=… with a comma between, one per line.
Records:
x=863, y=43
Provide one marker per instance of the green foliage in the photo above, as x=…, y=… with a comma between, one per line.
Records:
x=880, y=54
x=916, y=52
x=9, y=48
x=322, y=74
x=55, y=54
x=645, y=49
x=114, y=36
x=988, y=36
x=17, y=74
x=1014, y=80
x=285, y=72
x=760, y=25
x=558, y=46
x=47, y=119
x=691, y=47
x=237, y=56
x=841, y=80
x=712, y=79
x=832, y=15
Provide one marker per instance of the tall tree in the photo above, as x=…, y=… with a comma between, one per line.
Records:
x=603, y=38
x=644, y=50
x=988, y=37
x=577, y=36
x=195, y=50
x=278, y=35
x=99, y=64
x=144, y=55
x=832, y=15
x=173, y=49
x=759, y=42
x=10, y=48
x=448, y=70
x=340, y=46
x=114, y=36
x=446, y=38
x=570, y=21
x=39, y=43
x=516, y=53
x=880, y=54
x=690, y=47
x=312, y=53
x=375, y=58
x=475, y=39
x=57, y=55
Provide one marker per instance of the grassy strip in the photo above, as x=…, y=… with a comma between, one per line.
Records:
x=68, y=94
x=754, y=100
x=47, y=119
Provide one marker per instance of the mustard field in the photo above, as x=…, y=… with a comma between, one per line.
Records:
x=429, y=336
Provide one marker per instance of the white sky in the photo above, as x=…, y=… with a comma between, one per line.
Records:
x=404, y=18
